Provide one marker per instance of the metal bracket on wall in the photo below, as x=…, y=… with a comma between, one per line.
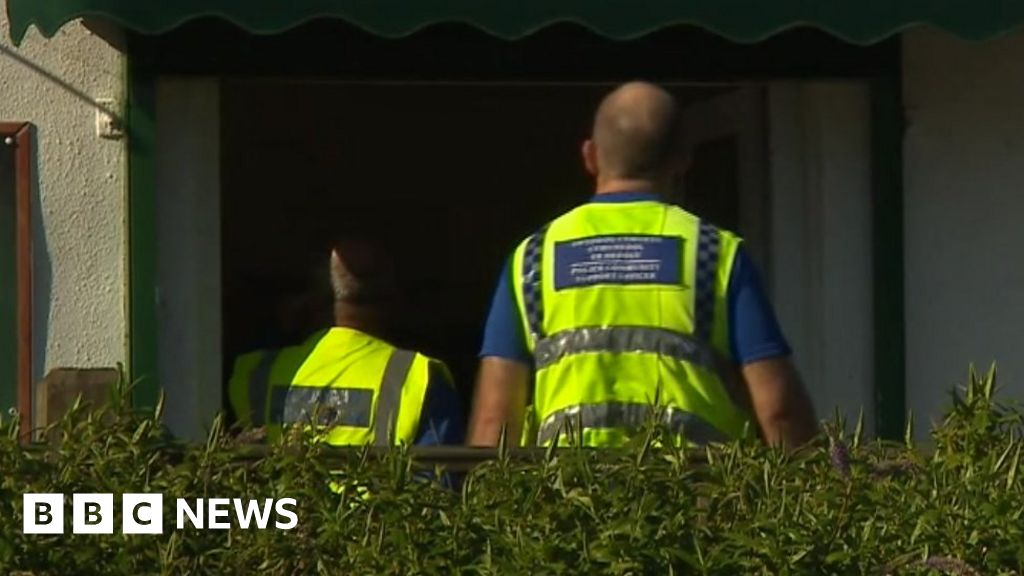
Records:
x=109, y=123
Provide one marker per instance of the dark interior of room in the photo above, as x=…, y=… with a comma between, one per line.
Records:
x=448, y=175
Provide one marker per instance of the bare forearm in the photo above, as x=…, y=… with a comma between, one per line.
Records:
x=486, y=431
x=499, y=402
x=783, y=408
x=486, y=422
x=792, y=425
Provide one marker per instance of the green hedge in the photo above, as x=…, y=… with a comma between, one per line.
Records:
x=843, y=507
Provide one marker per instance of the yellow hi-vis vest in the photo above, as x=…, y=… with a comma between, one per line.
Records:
x=624, y=308
x=361, y=389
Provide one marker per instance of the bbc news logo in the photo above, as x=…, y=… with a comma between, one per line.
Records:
x=144, y=513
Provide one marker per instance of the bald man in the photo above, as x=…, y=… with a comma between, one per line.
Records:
x=627, y=302
x=359, y=388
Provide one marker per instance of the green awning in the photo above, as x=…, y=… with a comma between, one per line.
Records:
x=856, y=21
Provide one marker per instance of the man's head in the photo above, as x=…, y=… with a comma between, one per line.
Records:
x=635, y=137
x=363, y=281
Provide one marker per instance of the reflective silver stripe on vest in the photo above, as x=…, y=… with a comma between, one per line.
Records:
x=626, y=416
x=297, y=404
x=708, y=247
x=619, y=339
x=259, y=383
x=390, y=396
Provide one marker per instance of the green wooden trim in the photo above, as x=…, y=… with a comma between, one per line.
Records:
x=738, y=20
x=142, y=299
x=459, y=54
x=887, y=189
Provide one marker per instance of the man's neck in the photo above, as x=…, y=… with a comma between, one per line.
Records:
x=364, y=321
x=622, y=185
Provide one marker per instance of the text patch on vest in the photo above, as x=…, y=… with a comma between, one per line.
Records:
x=635, y=259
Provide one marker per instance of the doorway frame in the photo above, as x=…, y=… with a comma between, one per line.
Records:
x=19, y=137
x=560, y=52
x=742, y=112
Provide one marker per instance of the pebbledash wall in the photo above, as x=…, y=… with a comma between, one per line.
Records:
x=78, y=212
x=964, y=199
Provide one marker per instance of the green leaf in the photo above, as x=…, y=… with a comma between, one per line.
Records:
x=1011, y=476
x=838, y=557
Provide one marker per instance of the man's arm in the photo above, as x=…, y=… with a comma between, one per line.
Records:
x=499, y=402
x=503, y=381
x=776, y=396
x=780, y=403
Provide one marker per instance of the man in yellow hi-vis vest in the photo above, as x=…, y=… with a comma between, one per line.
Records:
x=626, y=302
x=361, y=389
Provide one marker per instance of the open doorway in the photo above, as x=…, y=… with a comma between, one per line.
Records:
x=450, y=175
x=253, y=174
x=454, y=145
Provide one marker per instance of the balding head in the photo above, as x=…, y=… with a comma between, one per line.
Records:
x=361, y=273
x=636, y=134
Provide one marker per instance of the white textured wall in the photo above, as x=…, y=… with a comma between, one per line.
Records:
x=821, y=239
x=964, y=178
x=79, y=209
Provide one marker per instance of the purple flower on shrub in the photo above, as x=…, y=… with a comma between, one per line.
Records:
x=840, y=458
x=949, y=565
x=943, y=564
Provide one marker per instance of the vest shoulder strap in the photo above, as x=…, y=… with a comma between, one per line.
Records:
x=708, y=250
x=389, y=396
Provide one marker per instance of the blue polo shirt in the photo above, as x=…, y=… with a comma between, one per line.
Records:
x=442, y=421
x=754, y=332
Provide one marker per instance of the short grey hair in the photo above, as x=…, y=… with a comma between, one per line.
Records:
x=361, y=273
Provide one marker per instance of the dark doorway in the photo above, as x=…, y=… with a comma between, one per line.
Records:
x=450, y=175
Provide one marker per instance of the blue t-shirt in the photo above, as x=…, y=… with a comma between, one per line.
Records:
x=442, y=421
x=754, y=332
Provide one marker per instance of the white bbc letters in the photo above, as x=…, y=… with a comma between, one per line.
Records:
x=92, y=514
x=218, y=508
x=142, y=513
x=283, y=511
x=252, y=511
x=42, y=513
x=184, y=510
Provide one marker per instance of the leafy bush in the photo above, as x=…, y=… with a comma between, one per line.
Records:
x=843, y=506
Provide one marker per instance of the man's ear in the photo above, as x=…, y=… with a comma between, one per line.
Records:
x=589, y=152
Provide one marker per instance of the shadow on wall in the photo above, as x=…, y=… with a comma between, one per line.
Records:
x=42, y=274
x=42, y=265
x=53, y=78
